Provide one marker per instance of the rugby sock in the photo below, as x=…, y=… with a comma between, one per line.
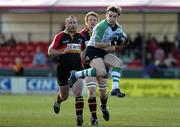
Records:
x=92, y=106
x=86, y=72
x=103, y=87
x=115, y=74
x=58, y=98
x=91, y=84
x=103, y=102
x=79, y=105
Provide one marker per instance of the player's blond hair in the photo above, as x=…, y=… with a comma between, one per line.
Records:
x=91, y=13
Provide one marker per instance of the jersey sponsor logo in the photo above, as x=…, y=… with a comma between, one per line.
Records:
x=41, y=85
x=5, y=84
x=65, y=41
x=80, y=41
x=73, y=48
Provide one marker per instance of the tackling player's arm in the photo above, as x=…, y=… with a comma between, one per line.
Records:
x=54, y=48
x=52, y=51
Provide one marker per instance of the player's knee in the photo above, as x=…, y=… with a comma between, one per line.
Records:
x=90, y=80
x=103, y=94
x=101, y=72
x=118, y=63
x=92, y=92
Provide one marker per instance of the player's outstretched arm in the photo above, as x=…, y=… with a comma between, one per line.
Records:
x=57, y=52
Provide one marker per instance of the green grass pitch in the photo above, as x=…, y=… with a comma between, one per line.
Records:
x=36, y=111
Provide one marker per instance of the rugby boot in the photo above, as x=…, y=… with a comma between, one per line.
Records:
x=94, y=122
x=117, y=92
x=105, y=113
x=79, y=120
x=56, y=107
x=72, y=79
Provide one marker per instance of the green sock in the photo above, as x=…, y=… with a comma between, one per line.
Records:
x=87, y=72
x=116, y=75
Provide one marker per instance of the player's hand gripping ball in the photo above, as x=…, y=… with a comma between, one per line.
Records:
x=120, y=40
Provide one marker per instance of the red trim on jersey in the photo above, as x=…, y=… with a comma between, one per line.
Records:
x=56, y=42
x=83, y=31
x=81, y=34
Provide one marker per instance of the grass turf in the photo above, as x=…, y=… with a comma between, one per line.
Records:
x=36, y=111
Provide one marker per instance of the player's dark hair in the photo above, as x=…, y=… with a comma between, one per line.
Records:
x=114, y=8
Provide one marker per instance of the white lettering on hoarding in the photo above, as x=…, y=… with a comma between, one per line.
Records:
x=40, y=84
x=4, y=84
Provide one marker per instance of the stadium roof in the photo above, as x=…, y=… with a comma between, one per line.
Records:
x=86, y=5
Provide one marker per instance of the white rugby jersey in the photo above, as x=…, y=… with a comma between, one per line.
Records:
x=103, y=32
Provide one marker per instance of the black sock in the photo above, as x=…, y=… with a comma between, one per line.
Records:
x=92, y=106
x=103, y=102
x=79, y=105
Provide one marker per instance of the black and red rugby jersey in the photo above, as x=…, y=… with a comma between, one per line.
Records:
x=74, y=45
x=62, y=39
x=86, y=34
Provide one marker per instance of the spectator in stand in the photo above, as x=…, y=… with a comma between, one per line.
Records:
x=11, y=40
x=39, y=57
x=170, y=61
x=138, y=40
x=2, y=40
x=137, y=45
x=166, y=45
x=18, y=67
x=152, y=45
x=128, y=56
x=154, y=69
x=149, y=58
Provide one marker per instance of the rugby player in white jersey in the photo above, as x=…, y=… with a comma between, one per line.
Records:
x=104, y=36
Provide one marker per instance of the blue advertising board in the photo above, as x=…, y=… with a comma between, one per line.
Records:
x=5, y=84
x=41, y=84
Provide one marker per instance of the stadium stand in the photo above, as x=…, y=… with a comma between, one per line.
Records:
x=24, y=51
x=151, y=17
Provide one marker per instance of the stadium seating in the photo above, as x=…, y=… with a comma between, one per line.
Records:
x=136, y=63
x=26, y=52
x=23, y=50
